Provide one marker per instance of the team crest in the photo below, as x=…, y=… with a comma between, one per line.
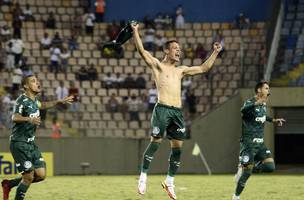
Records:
x=245, y=159
x=155, y=130
x=27, y=164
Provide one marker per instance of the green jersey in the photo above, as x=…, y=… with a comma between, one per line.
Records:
x=26, y=107
x=254, y=118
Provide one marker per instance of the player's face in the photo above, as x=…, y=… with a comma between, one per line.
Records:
x=174, y=52
x=264, y=91
x=33, y=85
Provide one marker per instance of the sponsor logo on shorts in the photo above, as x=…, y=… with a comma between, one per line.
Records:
x=155, y=130
x=181, y=130
x=41, y=159
x=268, y=151
x=27, y=164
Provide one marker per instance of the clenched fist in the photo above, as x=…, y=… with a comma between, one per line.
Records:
x=217, y=47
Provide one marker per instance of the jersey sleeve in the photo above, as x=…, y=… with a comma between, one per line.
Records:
x=248, y=105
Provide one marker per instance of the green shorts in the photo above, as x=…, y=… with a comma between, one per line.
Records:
x=27, y=156
x=251, y=153
x=169, y=119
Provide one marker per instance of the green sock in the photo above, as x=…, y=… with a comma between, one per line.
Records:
x=21, y=190
x=148, y=155
x=14, y=182
x=242, y=181
x=264, y=167
x=174, y=161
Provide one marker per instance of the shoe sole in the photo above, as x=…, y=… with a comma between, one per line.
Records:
x=166, y=189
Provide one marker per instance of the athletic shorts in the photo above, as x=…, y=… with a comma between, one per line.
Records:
x=27, y=156
x=168, y=119
x=251, y=153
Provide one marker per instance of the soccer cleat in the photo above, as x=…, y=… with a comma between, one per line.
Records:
x=234, y=197
x=6, y=189
x=169, y=189
x=142, y=186
x=238, y=174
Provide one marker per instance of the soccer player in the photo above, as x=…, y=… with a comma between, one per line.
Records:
x=167, y=114
x=25, y=152
x=254, y=155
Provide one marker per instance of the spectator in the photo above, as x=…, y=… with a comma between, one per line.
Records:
x=7, y=106
x=56, y=129
x=89, y=22
x=159, y=42
x=43, y=112
x=82, y=74
x=168, y=22
x=99, y=10
x=113, y=103
x=74, y=91
x=118, y=81
x=45, y=42
x=55, y=53
x=191, y=101
x=144, y=101
x=10, y=59
x=73, y=43
x=134, y=104
x=148, y=21
x=159, y=21
x=3, y=57
x=179, y=20
x=16, y=80
x=152, y=100
x=140, y=81
x=113, y=30
x=108, y=80
x=51, y=21
x=7, y=2
x=64, y=55
x=17, y=11
x=186, y=82
x=124, y=106
x=61, y=92
x=28, y=14
x=200, y=51
x=189, y=53
x=129, y=81
x=5, y=33
x=92, y=72
x=242, y=22
x=18, y=48
x=149, y=39
x=57, y=41
x=17, y=25
x=25, y=67
x=77, y=24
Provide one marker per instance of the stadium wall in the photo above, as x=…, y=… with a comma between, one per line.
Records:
x=194, y=10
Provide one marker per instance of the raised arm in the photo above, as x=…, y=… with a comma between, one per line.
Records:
x=50, y=104
x=148, y=58
x=206, y=66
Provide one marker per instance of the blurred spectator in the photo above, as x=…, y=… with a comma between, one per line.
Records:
x=61, y=92
x=113, y=103
x=129, y=81
x=17, y=25
x=74, y=91
x=26, y=69
x=55, y=53
x=144, y=101
x=159, y=21
x=57, y=41
x=148, y=21
x=82, y=74
x=18, y=48
x=118, y=81
x=3, y=58
x=17, y=11
x=5, y=33
x=152, y=97
x=140, y=82
x=179, y=20
x=200, y=51
x=168, y=22
x=189, y=52
x=45, y=42
x=113, y=30
x=92, y=72
x=56, y=129
x=262, y=63
x=191, y=101
x=10, y=59
x=73, y=43
x=77, y=24
x=149, y=39
x=28, y=14
x=186, y=83
x=134, y=105
x=7, y=2
x=51, y=21
x=242, y=22
x=7, y=106
x=64, y=55
x=108, y=80
x=100, y=10
x=43, y=112
x=16, y=80
x=124, y=106
x=159, y=42
x=89, y=22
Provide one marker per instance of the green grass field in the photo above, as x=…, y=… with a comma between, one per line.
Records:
x=188, y=187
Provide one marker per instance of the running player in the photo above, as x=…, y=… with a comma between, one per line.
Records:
x=25, y=152
x=167, y=114
x=254, y=155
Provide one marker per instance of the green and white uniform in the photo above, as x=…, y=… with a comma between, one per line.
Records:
x=23, y=148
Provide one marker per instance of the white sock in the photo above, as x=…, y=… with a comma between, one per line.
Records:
x=170, y=180
x=143, y=177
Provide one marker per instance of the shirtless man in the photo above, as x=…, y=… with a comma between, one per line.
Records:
x=167, y=114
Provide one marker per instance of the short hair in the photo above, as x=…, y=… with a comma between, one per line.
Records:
x=167, y=44
x=25, y=80
x=260, y=85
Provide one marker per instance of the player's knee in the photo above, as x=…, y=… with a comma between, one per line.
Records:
x=268, y=167
x=28, y=178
